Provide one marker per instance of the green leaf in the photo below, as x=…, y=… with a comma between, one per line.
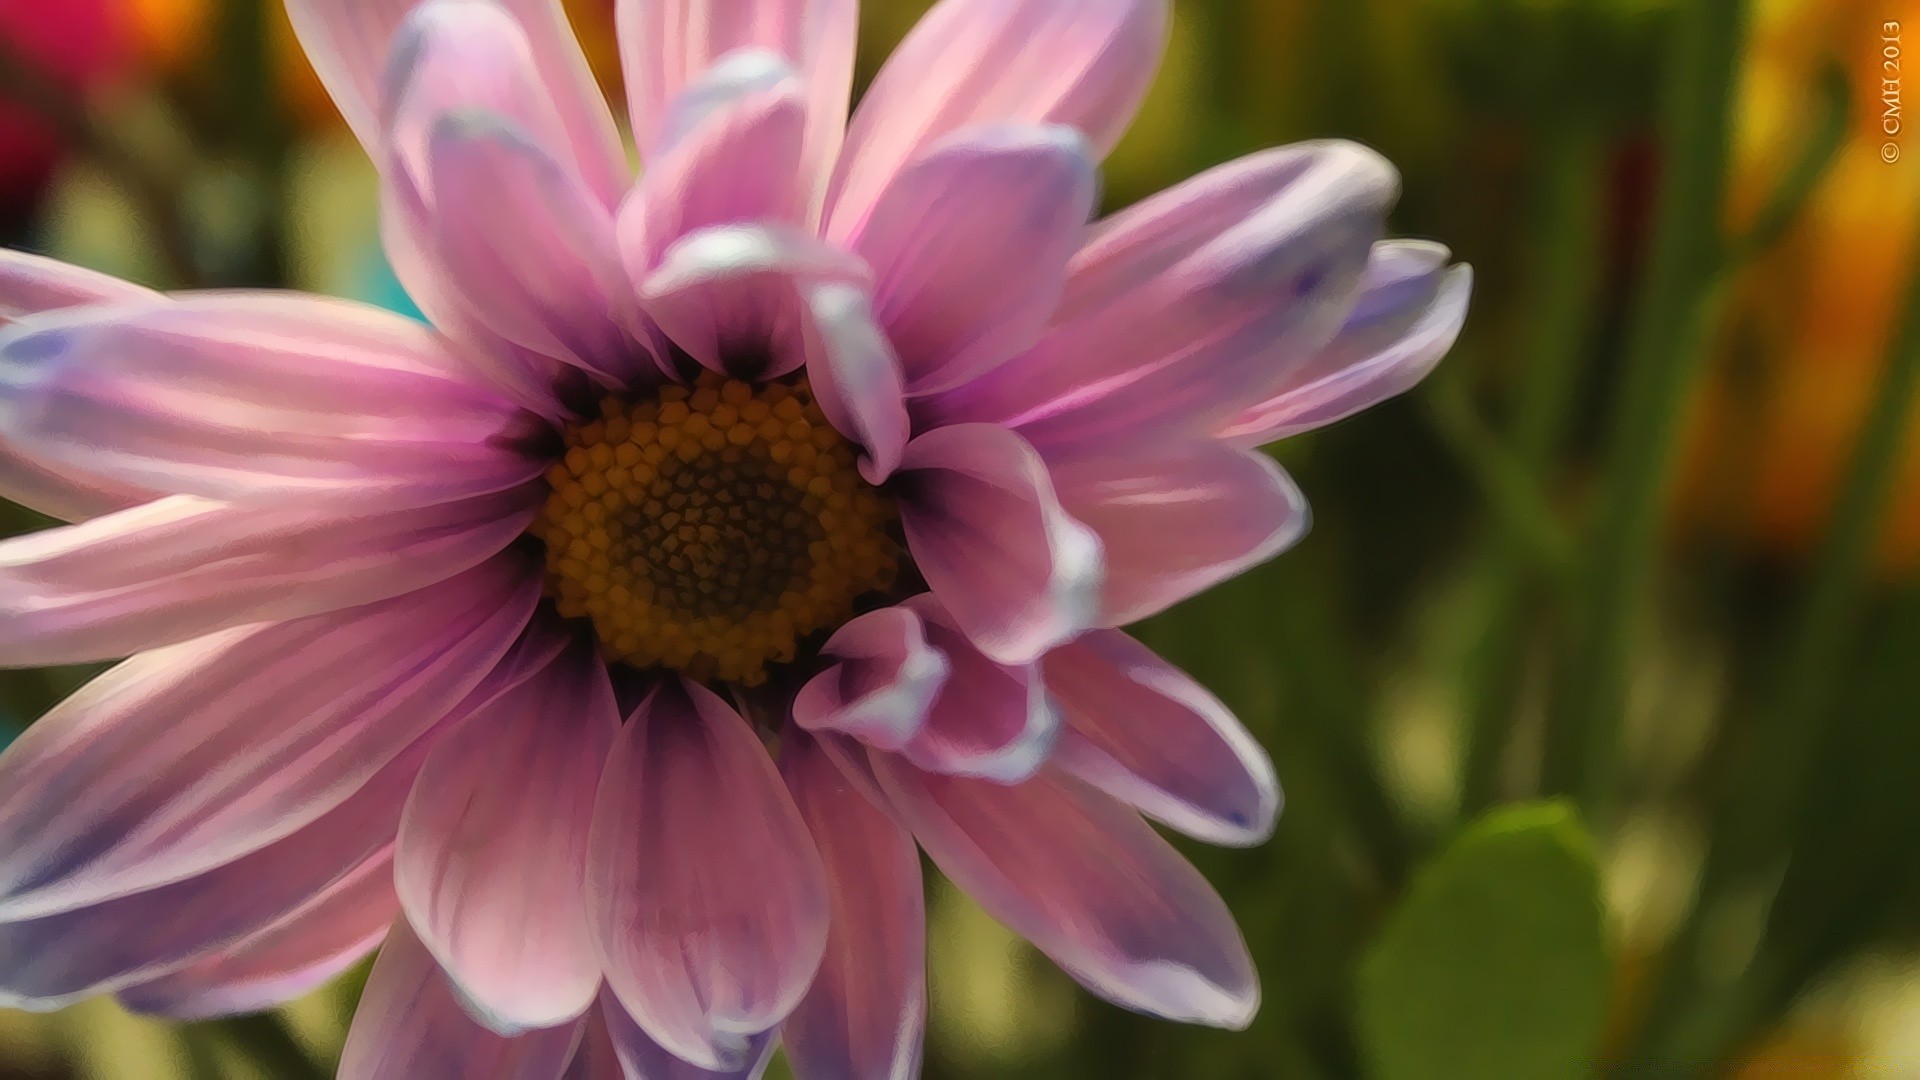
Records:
x=1495, y=964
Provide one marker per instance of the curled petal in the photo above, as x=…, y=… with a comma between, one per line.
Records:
x=969, y=247
x=855, y=375
x=988, y=719
x=886, y=678
x=865, y=1015
x=1085, y=65
x=409, y=1023
x=317, y=941
x=492, y=870
x=1396, y=336
x=1176, y=520
x=639, y=1055
x=1090, y=884
x=183, y=567
x=1195, y=304
x=1144, y=732
x=710, y=907
x=1018, y=574
x=185, y=758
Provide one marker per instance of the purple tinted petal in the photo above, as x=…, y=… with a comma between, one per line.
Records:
x=595, y=1058
x=1144, y=732
x=1176, y=520
x=666, y=46
x=988, y=719
x=866, y=1013
x=1358, y=370
x=969, y=247
x=317, y=941
x=710, y=905
x=987, y=531
x=880, y=690
x=350, y=42
x=57, y=959
x=410, y=1024
x=1085, y=65
x=188, y=757
x=493, y=847
x=1193, y=305
x=855, y=375
x=1090, y=884
x=640, y=1056
x=184, y=566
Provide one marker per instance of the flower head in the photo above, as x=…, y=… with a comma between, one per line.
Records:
x=615, y=642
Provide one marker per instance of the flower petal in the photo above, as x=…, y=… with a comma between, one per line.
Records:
x=1358, y=370
x=989, y=720
x=880, y=690
x=58, y=959
x=639, y=1056
x=595, y=1058
x=31, y=284
x=1090, y=884
x=1146, y=733
x=855, y=375
x=493, y=848
x=350, y=42
x=1176, y=520
x=183, y=567
x=1018, y=574
x=865, y=1016
x=1086, y=65
x=410, y=1024
x=238, y=395
x=185, y=758
x=736, y=162
x=317, y=941
x=711, y=906
x=969, y=247
x=1194, y=304
x=667, y=45
x=731, y=297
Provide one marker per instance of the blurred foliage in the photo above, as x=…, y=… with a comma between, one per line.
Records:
x=1650, y=540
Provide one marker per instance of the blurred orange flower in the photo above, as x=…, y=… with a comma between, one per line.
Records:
x=1822, y=308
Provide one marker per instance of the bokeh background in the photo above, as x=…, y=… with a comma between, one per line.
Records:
x=1595, y=690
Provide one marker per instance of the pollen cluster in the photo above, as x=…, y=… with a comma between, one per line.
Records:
x=710, y=528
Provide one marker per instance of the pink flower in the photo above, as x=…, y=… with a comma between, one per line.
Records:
x=857, y=444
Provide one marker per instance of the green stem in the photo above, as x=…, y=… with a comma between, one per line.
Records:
x=1665, y=358
x=1769, y=788
x=1566, y=227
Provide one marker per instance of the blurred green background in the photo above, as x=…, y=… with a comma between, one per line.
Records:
x=1596, y=689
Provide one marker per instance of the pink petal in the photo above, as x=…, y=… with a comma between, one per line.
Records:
x=866, y=1013
x=309, y=947
x=350, y=42
x=1194, y=304
x=988, y=720
x=528, y=248
x=639, y=1056
x=409, y=1024
x=969, y=247
x=1146, y=733
x=731, y=296
x=855, y=375
x=240, y=395
x=988, y=533
x=55, y=960
x=887, y=677
x=493, y=847
x=1090, y=884
x=711, y=907
x=667, y=45
x=30, y=284
x=736, y=162
x=186, y=758
x=184, y=566
x=1358, y=370
x=1085, y=65
x=1176, y=520
x=595, y=1058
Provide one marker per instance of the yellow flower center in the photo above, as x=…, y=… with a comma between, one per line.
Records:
x=712, y=528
